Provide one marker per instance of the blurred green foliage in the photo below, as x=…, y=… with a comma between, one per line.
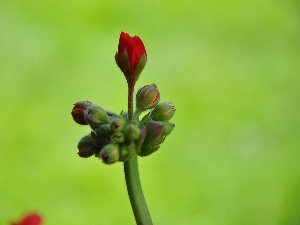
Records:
x=232, y=70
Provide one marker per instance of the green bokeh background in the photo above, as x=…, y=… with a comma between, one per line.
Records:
x=232, y=70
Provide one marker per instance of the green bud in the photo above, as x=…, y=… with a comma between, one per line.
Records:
x=117, y=137
x=117, y=125
x=124, y=153
x=164, y=111
x=86, y=147
x=147, y=97
x=95, y=116
x=125, y=150
x=110, y=153
x=132, y=132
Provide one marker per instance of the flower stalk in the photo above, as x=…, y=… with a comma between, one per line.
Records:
x=135, y=192
x=132, y=177
x=130, y=99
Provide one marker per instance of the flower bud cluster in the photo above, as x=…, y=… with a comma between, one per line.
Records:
x=115, y=137
x=112, y=137
x=155, y=125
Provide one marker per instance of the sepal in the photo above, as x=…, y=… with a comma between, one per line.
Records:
x=140, y=67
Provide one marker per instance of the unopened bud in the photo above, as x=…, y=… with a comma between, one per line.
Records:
x=156, y=132
x=79, y=110
x=153, y=131
x=95, y=116
x=147, y=97
x=117, y=125
x=164, y=111
x=125, y=150
x=131, y=56
x=117, y=137
x=132, y=132
x=110, y=153
x=86, y=147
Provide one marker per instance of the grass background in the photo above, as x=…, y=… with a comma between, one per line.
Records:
x=232, y=70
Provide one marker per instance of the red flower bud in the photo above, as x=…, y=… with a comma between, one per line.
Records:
x=147, y=97
x=78, y=111
x=131, y=56
x=30, y=219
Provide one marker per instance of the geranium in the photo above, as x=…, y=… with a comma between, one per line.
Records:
x=131, y=56
x=30, y=219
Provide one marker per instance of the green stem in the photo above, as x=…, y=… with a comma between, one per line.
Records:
x=130, y=99
x=135, y=192
x=133, y=183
